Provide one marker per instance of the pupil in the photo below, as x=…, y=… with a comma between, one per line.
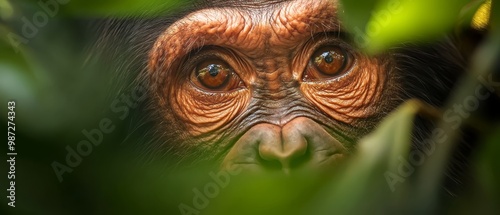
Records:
x=328, y=57
x=213, y=70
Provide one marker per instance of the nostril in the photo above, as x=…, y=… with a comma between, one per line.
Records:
x=272, y=165
x=276, y=158
x=299, y=161
x=285, y=163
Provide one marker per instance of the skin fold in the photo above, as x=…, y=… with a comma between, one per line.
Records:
x=269, y=52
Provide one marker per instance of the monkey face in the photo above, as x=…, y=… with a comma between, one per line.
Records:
x=280, y=86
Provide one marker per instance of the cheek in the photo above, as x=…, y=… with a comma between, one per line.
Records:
x=204, y=112
x=354, y=96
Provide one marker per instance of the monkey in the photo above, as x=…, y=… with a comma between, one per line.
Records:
x=269, y=85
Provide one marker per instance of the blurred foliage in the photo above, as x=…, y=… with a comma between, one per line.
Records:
x=123, y=7
x=481, y=16
x=104, y=8
x=57, y=98
x=386, y=23
x=378, y=155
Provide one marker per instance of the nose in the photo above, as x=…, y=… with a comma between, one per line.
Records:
x=280, y=146
x=301, y=143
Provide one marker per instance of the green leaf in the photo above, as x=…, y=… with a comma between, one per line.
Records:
x=489, y=166
x=468, y=12
x=356, y=13
x=373, y=174
x=122, y=8
x=6, y=9
x=396, y=21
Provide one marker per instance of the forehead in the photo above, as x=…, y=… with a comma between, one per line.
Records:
x=240, y=3
x=275, y=27
x=256, y=23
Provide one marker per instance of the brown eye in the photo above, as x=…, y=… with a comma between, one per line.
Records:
x=327, y=62
x=215, y=75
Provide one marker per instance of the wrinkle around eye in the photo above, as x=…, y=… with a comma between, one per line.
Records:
x=206, y=112
x=349, y=98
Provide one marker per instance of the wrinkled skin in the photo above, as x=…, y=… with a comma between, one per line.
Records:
x=271, y=117
x=281, y=113
x=270, y=85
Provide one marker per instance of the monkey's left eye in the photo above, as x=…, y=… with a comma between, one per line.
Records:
x=215, y=75
x=327, y=62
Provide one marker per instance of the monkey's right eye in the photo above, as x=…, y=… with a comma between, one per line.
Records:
x=215, y=75
x=327, y=62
